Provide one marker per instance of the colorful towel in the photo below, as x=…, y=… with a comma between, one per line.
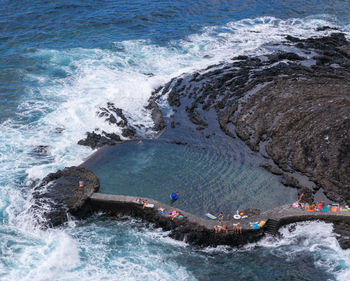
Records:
x=210, y=216
x=255, y=225
x=161, y=210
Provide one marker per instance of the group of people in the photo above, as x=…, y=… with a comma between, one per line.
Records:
x=318, y=206
x=220, y=227
x=236, y=227
x=173, y=214
x=144, y=203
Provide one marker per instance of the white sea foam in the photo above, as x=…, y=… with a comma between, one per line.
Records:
x=70, y=101
x=317, y=238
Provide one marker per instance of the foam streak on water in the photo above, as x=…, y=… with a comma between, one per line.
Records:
x=67, y=87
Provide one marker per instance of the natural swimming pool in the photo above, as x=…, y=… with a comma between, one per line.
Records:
x=206, y=180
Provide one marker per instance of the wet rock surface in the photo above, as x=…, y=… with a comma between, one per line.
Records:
x=42, y=150
x=116, y=117
x=58, y=195
x=272, y=169
x=157, y=115
x=343, y=233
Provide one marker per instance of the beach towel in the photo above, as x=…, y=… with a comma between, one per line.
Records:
x=149, y=206
x=255, y=225
x=210, y=216
x=161, y=210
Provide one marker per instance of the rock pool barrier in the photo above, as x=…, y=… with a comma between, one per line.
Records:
x=199, y=231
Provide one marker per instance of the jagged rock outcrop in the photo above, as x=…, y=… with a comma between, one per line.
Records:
x=157, y=115
x=58, y=195
x=114, y=116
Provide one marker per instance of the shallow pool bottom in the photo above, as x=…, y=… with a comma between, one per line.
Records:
x=207, y=181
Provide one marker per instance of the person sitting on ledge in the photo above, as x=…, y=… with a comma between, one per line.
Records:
x=301, y=197
x=239, y=229
x=234, y=228
x=81, y=184
x=310, y=208
x=221, y=216
x=174, y=214
x=218, y=227
x=145, y=203
x=319, y=206
x=225, y=228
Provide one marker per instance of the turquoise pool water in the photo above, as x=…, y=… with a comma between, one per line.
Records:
x=207, y=181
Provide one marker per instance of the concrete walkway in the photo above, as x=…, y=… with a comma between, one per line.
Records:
x=275, y=218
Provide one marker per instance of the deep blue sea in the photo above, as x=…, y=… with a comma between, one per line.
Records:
x=61, y=60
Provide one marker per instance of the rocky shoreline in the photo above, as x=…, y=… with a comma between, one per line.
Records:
x=291, y=106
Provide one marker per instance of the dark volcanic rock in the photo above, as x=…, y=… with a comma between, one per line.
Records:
x=326, y=27
x=157, y=116
x=308, y=196
x=41, y=150
x=113, y=116
x=343, y=231
x=96, y=140
x=178, y=142
x=59, y=130
x=273, y=170
x=301, y=111
x=290, y=181
x=308, y=123
x=59, y=195
x=129, y=132
x=195, y=118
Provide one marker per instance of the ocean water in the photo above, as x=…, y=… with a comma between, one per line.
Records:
x=62, y=60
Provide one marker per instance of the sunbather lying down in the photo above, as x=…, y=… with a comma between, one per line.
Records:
x=138, y=201
x=176, y=214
